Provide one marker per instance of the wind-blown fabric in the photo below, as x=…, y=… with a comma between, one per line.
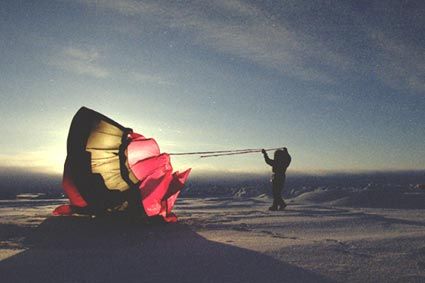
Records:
x=109, y=167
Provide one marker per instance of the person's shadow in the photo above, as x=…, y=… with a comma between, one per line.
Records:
x=76, y=249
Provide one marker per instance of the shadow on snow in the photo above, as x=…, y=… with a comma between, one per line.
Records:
x=80, y=249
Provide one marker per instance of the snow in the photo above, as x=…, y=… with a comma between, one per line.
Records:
x=223, y=239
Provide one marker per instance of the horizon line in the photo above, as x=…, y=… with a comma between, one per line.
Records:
x=5, y=170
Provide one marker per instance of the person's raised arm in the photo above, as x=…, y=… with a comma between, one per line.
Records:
x=266, y=157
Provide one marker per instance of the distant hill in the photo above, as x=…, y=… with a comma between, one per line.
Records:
x=14, y=181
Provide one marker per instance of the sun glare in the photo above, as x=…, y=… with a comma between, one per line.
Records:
x=48, y=160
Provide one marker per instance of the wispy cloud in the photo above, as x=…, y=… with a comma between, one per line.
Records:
x=87, y=55
x=250, y=32
x=82, y=61
x=242, y=30
x=87, y=62
x=399, y=65
x=144, y=78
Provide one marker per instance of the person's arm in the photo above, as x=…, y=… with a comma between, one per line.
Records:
x=266, y=158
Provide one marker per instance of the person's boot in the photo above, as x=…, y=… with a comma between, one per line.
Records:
x=273, y=208
x=282, y=205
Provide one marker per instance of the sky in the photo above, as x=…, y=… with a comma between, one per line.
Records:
x=341, y=84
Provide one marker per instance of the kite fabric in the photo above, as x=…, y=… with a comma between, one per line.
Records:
x=110, y=168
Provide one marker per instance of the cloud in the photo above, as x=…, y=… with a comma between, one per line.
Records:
x=81, y=61
x=314, y=49
x=89, y=55
x=127, y=7
x=399, y=64
x=241, y=30
x=87, y=62
x=144, y=78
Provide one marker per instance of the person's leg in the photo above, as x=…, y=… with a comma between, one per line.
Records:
x=282, y=203
x=275, y=190
x=279, y=199
x=278, y=182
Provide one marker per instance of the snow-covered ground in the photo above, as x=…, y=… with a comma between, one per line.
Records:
x=216, y=240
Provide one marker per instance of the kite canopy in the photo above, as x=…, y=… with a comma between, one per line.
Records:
x=111, y=168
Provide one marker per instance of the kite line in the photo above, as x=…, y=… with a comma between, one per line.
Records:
x=217, y=153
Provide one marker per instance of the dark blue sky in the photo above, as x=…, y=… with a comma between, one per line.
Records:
x=340, y=83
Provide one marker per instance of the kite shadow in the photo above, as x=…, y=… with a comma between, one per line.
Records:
x=79, y=249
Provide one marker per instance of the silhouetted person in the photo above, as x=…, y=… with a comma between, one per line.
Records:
x=280, y=163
